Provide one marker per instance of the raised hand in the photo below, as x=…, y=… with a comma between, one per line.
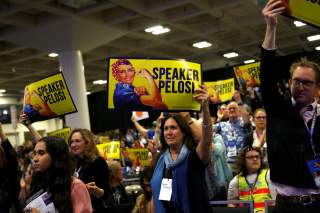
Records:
x=271, y=11
x=24, y=119
x=201, y=94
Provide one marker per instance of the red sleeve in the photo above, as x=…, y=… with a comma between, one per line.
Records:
x=80, y=197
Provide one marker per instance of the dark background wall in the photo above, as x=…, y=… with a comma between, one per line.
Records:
x=103, y=119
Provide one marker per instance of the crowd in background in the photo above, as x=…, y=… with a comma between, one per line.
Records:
x=106, y=178
x=238, y=162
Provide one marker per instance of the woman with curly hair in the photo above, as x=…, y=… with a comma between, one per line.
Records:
x=53, y=189
x=253, y=181
x=91, y=168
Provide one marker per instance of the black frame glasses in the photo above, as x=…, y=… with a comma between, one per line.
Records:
x=305, y=83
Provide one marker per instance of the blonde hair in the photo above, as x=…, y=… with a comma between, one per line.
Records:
x=91, y=152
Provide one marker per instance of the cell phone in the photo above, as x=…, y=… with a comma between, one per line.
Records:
x=165, y=114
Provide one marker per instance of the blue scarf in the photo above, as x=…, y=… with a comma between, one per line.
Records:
x=179, y=169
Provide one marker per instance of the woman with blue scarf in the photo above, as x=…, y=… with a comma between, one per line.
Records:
x=178, y=183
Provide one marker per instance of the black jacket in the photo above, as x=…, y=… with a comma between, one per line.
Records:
x=287, y=136
x=9, y=179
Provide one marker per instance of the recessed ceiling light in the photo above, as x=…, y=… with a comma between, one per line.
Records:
x=314, y=37
x=299, y=23
x=2, y=90
x=88, y=93
x=161, y=31
x=202, y=44
x=157, y=30
x=249, y=61
x=318, y=48
x=231, y=55
x=154, y=28
x=53, y=55
x=100, y=82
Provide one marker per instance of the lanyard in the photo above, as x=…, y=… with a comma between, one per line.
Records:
x=77, y=172
x=252, y=186
x=311, y=130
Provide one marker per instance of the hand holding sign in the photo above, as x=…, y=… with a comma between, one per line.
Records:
x=47, y=98
x=271, y=11
x=201, y=95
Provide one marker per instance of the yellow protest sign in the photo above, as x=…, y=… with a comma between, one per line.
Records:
x=48, y=98
x=220, y=91
x=148, y=84
x=248, y=75
x=110, y=150
x=138, y=157
x=61, y=133
x=306, y=10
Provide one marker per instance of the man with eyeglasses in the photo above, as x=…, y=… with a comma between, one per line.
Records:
x=293, y=128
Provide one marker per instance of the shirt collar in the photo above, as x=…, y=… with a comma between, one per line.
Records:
x=313, y=104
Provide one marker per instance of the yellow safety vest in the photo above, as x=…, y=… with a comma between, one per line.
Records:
x=258, y=193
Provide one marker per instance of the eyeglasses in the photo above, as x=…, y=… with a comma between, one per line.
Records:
x=253, y=157
x=305, y=83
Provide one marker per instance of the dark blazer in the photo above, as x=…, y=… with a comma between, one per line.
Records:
x=98, y=172
x=9, y=180
x=287, y=136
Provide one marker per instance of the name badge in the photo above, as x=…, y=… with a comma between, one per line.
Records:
x=314, y=169
x=166, y=189
x=232, y=151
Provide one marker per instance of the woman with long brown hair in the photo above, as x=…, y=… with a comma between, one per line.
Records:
x=91, y=168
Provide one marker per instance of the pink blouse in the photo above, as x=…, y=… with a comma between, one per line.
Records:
x=80, y=197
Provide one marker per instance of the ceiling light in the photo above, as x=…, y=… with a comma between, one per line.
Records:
x=231, y=55
x=100, y=82
x=249, y=61
x=202, y=44
x=299, y=23
x=154, y=28
x=53, y=55
x=2, y=90
x=314, y=37
x=88, y=93
x=161, y=31
x=5, y=112
x=318, y=48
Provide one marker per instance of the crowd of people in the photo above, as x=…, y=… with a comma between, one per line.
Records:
x=258, y=147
